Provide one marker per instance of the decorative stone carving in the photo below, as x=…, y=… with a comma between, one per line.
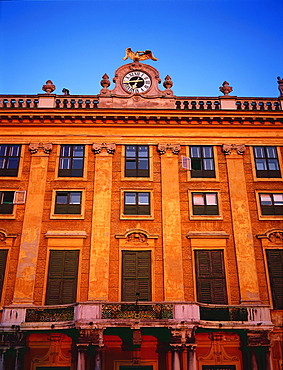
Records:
x=97, y=148
x=274, y=236
x=136, y=238
x=91, y=336
x=48, y=87
x=34, y=147
x=162, y=148
x=168, y=84
x=258, y=338
x=225, y=88
x=105, y=83
x=227, y=148
x=280, y=85
x=2, y=237
x=139, y=55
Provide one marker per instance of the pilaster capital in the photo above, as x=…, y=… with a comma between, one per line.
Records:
x=97, y=148
x=162, y=148
x=91, y=336
x=257, y=338
x=239, y=148
x=34, y=147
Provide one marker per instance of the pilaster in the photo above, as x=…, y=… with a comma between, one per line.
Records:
x=241, y=222
x=100, y=240
x=25, y=278
x=172, y=243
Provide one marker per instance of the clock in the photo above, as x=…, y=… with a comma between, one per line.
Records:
x=136, y=82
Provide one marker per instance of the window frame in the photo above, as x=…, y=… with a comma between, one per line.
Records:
x=124, y=215
x=18, y=170
x=80, y=215
x=201, y=173
x=150, y=164
x=271, y=288
x=262, y=216
x=253, y=163
x=85, y=164
x=193, y=216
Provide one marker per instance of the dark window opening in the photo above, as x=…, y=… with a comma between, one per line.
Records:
x=6, y=202
x=271, y=204
x=136, y=203
x=266, y=162
x=205, y=204
x=202, y=161
x=9, y=160
x=275, y=268
x=68, y=202
x=137, y=161
x=71, y=163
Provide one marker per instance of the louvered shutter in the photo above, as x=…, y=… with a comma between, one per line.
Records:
x=275, y=267
x=136, y=276
x=3, y=259
x=62, y=277
x=211, y=284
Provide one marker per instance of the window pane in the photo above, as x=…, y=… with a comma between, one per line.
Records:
x=12, y=163
x=144, y=198
x=130, y=151
x=211, y=199
x=198, y=199
x=271, y=152
x=130, y=164
x=65, y=163
x=273, y=164
x=78, y=151
x=261, y=164
x=3, y=150
x=259, y=152
x=278, y=199
x=8, y=197
x=62, y=199
x=265, y=199
x=130, y=198
x=196, y=164
x=14, y=150
x=143, y=164
x=77, y=163
x=75, y=198
x=143, y=151
x=2, y=162
x=195, y=151
x=66, y=151
x=207, y=152
x=208, y=164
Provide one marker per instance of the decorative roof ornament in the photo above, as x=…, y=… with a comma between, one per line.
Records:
x=167, y=82
x=280, y=85
x=139, y=55
x=48, y=87
x=225, y=88
x=105, y=83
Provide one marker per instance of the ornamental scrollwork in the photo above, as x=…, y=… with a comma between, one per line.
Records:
x=2, y=237
x=227, y=148
x=136, y=238
x=34, y=147
x=162, y=148
x=97, y=148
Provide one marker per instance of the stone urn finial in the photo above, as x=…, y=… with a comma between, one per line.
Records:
x=225, y=88
x=105, y=83
x=48, y=87
x=167, y=82
x=280, y=85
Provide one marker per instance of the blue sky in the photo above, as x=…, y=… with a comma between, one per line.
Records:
x=199, y=43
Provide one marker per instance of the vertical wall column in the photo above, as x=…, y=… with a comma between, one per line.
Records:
x=171, y=217
x=241, y=221
x=100, y=239
x=25, y=278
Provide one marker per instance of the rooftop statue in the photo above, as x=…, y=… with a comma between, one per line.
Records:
x=139, y=55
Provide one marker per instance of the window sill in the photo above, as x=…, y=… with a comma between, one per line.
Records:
x=136, y=217
x=7, y=217
x=206, y=217
x=66, y=217
x=270, y=217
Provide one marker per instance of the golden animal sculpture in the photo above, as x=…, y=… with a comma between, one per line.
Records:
x=139, y=55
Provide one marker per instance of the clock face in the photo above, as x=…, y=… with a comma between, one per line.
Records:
x=136, y=82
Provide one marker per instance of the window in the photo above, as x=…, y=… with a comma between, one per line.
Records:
x=136, y=203
x=137, y=161
x=275, y=268
x=9, y=160
x=136, y=276
x=68, y=202
x=266, y=162
x=211, y=283
x=205, y=203
x=6, y=202
x=71, y=161
x=271, y=203
x=3, y=259
x=62, y=277
x=202, y=161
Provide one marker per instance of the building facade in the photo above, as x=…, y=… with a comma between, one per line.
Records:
x=139, y=229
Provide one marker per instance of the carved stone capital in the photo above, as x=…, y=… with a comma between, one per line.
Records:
x=162, y=148
x=34, y=147
x=258, y=338
x=91, y=336
x=227, y=148
x=97, y=148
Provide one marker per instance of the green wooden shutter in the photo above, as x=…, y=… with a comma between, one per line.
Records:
x=211, y=284
x=275, y=267
x=136, y=275
x=3, y=259
x=62, y=277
